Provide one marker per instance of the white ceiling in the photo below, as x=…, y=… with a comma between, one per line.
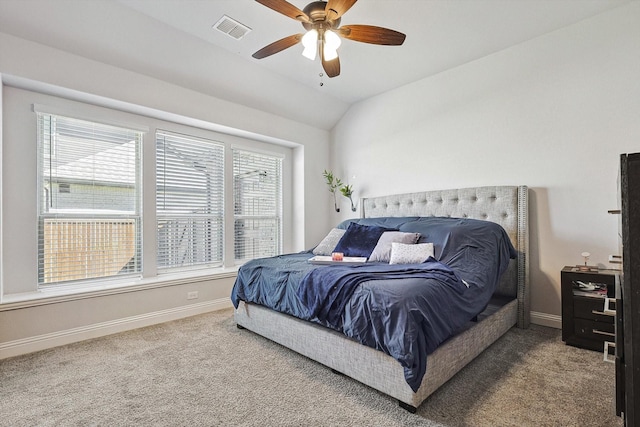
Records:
x=174, y=40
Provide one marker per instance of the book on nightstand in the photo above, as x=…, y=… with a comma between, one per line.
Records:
x=589, y=289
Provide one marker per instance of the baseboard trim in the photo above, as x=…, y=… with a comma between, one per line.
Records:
x=55, y=339
x=544, y=319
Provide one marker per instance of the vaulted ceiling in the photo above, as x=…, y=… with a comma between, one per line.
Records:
x=175, y=40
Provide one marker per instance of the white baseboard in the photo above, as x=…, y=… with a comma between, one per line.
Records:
x=54, y=339
x=544, y=319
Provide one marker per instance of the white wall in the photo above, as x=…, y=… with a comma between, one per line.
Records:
x=553, y=113
x=39, y=63
x=27, y=324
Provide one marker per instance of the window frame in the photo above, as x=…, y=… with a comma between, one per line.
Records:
x=97, y=223
x=19, y=232
x=167, y=215
x=278, y=204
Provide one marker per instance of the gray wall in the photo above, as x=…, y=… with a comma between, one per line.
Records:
x=553, y=113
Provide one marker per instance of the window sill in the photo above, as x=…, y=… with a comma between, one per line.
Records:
x=99, y=289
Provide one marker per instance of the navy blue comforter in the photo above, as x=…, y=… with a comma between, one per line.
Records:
x=406, y=310
x=326, y=291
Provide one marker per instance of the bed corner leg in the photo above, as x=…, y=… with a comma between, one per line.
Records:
x=407, y=407
x=239, y=326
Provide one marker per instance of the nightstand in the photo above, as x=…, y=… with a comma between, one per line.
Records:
x=588, y=307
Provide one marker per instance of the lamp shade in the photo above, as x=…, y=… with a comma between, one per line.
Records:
x=310, y=43
x=331, y=44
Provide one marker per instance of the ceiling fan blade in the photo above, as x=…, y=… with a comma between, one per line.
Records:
x=372, y=34
x=336, y=8
x=286, y=8
x=332, y=68
x=278, y=46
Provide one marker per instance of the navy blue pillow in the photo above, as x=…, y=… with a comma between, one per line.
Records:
x=360, y=240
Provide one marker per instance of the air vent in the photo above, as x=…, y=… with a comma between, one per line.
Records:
x=231, y=27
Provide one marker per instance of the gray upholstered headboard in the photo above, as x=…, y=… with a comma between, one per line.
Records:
x=505, y=205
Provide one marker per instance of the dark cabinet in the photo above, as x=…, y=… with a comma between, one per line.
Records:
x=588, y=307
x=628, y=324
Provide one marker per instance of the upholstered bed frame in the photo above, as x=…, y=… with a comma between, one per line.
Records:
x=505, y=205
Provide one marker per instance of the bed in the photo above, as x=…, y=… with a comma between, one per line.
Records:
x=507, y=305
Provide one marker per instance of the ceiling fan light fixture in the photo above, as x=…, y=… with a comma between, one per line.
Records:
x=331, y=44
x=321, y=20
x=310, y=43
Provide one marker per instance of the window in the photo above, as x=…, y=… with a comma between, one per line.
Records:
x=106, y=198
x=89, y=200
x=257, y=198
x=189, y=201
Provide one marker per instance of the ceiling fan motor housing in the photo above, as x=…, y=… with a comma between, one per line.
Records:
x=316, y=11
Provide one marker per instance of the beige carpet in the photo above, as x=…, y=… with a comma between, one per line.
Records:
x=203, y=371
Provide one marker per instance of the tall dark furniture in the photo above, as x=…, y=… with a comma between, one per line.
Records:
x=628, y=306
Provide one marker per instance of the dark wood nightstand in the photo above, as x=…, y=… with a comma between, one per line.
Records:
x=588, y=307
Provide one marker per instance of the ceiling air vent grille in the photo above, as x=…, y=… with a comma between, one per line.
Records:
x=231, y=27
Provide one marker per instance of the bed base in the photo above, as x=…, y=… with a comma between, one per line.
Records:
x=372, y=367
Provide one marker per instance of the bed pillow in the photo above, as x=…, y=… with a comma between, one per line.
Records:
x=401, y=253
x=360, y=240
x=326, y=246
x=382, y=251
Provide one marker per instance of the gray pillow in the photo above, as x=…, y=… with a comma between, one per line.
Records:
x=382, y=251
x=410, y=254
x=329, y=243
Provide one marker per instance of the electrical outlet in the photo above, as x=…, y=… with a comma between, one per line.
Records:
x=192, y=295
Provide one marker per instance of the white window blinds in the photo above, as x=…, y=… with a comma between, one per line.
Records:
x=257, y=198
x=89, y=200
x=189, y=201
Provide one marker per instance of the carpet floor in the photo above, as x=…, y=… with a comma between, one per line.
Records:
x=203, y=371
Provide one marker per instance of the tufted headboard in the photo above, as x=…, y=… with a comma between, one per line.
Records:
x=505, y=205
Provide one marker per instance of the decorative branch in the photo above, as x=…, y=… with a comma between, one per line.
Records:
x=333, y=183
x=347, y=191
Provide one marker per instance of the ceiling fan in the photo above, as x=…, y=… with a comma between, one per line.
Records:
x=322, y=19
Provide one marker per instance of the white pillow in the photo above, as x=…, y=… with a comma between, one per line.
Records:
x=382, y=251
x=402, y=253
x=327, y=244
